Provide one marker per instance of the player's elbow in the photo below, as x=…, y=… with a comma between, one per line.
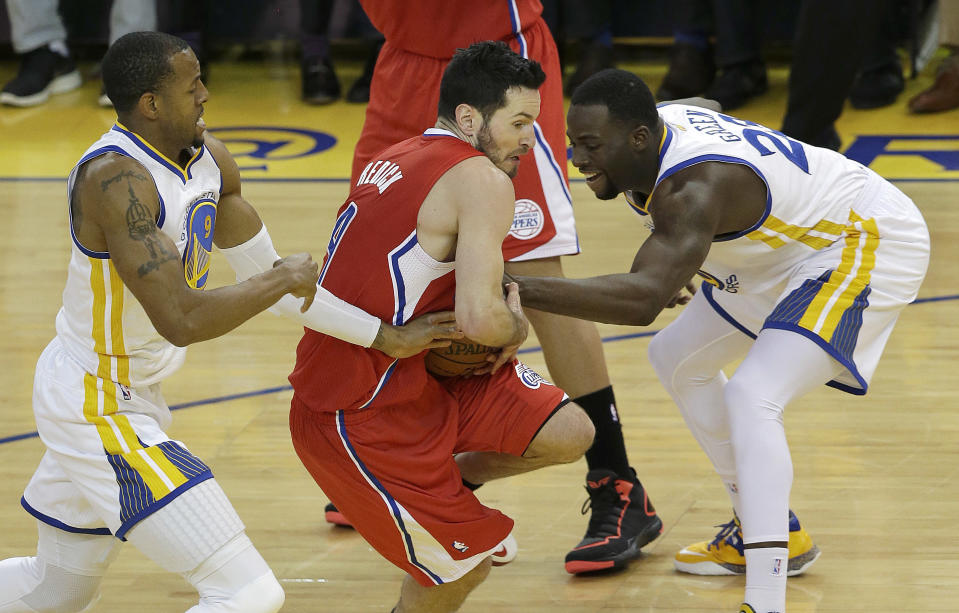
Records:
x=176, y=335
x=486, y=326
x=636, y=312
x=177, y=331
x=642, y=318
x=481, y=330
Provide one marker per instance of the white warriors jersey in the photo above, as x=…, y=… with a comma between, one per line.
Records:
x=809, y=194
x=101, y=324
x=837, y=252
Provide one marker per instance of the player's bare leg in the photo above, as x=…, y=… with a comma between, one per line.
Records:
x=562, y=439
x=415, y=598
x=574, y=356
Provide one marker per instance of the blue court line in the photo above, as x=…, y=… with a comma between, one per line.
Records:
x=286, y=388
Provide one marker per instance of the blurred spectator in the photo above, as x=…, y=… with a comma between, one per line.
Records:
x=880, y=79
x=189, y=19
x=693, y=61
x=591, y=24
x=944, y=92
x=320, y=84
x=832, y=40
x=39, y=37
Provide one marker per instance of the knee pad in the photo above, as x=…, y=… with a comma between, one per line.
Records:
x=262, y=595
x=184, y=533
x=236, y=579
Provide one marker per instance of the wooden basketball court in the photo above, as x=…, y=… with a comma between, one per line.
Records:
x=876, y=478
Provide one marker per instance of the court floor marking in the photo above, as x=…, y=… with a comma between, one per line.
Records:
x=286, y=388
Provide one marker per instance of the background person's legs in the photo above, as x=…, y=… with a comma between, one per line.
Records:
x=132, y=16
x=39, y=37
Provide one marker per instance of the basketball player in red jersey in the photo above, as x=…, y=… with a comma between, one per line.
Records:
x=393, y=447
x=421, y=37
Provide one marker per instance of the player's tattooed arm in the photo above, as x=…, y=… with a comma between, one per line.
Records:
x=123, y=206
x=123, y=174
x=125, y=190
x=143, y=228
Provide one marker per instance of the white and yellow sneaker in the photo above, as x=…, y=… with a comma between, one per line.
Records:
x=724, y=554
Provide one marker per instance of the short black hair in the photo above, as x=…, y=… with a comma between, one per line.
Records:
x=138, y=63
x=481, y=74
x=625, y=95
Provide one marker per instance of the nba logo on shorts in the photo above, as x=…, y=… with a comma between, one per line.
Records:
x=529, y=377
x=125, y=391
x=528, y=220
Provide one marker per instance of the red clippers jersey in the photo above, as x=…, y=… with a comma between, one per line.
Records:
x=412, y=26
x=375, y=262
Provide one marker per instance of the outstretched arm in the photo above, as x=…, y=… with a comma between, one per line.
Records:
x=119, y=205
x=688, y=210
x=244, y=240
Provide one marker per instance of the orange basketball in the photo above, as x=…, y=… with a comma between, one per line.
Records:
x=461, y=358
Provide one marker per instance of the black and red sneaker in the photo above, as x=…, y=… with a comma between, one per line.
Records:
x=335, y=517
x=623, y=520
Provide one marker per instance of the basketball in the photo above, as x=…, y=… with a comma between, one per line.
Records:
x=461, y=358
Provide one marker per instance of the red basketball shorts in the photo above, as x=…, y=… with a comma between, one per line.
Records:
x=390, y=469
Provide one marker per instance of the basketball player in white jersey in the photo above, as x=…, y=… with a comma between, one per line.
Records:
x=148, y=201
x=808, y=258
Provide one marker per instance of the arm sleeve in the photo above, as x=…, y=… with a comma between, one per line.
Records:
x=328, y=314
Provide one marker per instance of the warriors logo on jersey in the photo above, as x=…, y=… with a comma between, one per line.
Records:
x=198, y=228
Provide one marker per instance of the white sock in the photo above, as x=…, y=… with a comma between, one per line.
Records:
x=766, y=579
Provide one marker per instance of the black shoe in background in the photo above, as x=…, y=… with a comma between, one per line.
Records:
x=360, y=90
x=320, y=85
x=738, y=83
x=335, y=517
x=691, y=71
x=877, y=87
x=42, y=72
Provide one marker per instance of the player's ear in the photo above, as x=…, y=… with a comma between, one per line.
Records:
x=147, y=105
x=467, y=119
x=639, y=137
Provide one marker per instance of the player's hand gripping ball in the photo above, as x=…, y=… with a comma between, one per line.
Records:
x=462, y=357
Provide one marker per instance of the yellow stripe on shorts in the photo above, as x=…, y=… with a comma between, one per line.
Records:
x=100, y=392
x=847, y=281
x=779, y=228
